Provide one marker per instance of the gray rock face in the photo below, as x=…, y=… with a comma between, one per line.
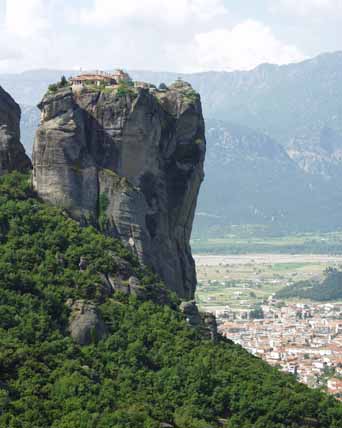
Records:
x=210, y=324
x=12, y=153
x=191, y=312
x=132, y=164
x=85, y=324
x=205, y=321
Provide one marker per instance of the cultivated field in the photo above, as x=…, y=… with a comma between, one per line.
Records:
x=252, y=240
x=241, y=281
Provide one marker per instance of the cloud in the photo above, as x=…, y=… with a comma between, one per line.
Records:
x=26, y=34
x=25, y=18
x=182, y=35
x=187, y=35
x=242, y=47
x=305, y=8
x=174, y=12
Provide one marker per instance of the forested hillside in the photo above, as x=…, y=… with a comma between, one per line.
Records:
x=151, y=368
x=330, y=289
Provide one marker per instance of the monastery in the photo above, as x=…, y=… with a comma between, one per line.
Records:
x=99, y=78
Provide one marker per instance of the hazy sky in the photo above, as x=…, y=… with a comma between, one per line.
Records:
x=174, y=35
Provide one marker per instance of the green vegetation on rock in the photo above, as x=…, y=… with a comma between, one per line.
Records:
x=63, y=83
x=190, y=95
x=125, y=88
x=152, y=368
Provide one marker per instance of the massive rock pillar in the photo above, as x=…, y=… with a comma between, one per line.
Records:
x=130, y=162
x=12, y=152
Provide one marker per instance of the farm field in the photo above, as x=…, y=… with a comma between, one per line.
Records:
x=252, y=240
x=242, y=281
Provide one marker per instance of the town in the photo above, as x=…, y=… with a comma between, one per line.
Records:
x=304, y=339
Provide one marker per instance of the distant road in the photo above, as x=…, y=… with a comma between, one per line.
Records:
x=213, y=260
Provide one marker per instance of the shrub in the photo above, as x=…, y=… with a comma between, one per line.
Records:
x=163, y=87
x=63, y=82
x=53, y=88
x=124, y=89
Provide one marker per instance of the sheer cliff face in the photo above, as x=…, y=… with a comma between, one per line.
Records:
x=12, y=153
x=131, y=163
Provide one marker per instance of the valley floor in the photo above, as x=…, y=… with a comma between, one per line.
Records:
x=250, y=239
x=241, y=281
x=302, y=337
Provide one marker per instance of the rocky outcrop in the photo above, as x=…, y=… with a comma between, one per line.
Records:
x=12, y=153
x=85, y=323
x=132, y=163
x=204, y=321
x=210, y=325
x=191, y=312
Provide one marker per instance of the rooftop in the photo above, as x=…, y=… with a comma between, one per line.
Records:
x=87, y=77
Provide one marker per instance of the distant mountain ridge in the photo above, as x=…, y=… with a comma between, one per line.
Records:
x=279, y=128
x=250, y=179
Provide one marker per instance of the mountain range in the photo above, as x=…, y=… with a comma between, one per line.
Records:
x=274, y=154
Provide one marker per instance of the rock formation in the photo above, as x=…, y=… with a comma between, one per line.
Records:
x=85, y=323
x=204, y=321
x=12, y=153
x=130, y=161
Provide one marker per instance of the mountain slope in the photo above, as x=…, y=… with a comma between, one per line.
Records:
x=329, y=289
x=250, y=179
x=150, y=369
x=288, y=102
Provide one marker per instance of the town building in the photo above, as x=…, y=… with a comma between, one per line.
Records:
x=303, y=339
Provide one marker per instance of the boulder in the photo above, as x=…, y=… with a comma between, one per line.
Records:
x=205, y=321
x=210, y=325
x=83, y=264
x=85, y=323
x=190, y=310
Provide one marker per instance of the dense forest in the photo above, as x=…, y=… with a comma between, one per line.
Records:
x=152, y=370
x=327, y=290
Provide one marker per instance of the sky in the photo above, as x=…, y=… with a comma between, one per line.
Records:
x=165, y=35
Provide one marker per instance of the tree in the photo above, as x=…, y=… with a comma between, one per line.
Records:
x=163, y=87
x=53, y=88
x=63, y=82
x=257, y=313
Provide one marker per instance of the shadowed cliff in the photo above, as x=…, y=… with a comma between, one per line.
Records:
x=12, y=153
